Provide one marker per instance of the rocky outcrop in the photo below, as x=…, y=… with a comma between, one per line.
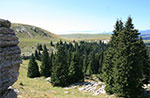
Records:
x=9, y=59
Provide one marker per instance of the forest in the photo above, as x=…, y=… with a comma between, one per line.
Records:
x=123, y=63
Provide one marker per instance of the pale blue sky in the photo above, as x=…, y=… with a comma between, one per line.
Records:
x=76, y=16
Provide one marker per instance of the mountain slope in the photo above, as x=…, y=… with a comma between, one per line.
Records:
x=29, y=36
x=28, y=31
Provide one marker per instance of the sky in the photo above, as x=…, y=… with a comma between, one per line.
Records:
x=76, y=16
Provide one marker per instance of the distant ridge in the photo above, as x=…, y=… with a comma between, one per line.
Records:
x=145, y=34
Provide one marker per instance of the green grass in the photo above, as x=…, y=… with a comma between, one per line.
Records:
x=40, y=88
x=27, y=31
x=29, y=45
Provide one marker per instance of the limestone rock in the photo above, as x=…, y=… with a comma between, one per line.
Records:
x=10, y=93
x=5, y=23
x=10, y=59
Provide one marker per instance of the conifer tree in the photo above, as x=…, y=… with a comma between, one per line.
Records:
x=39, y=53
x=75, y=69
x=37, y=57
x=85, y=64
x=107, y=68
x=39, y=47
x=33, y=69
x=46, y=65
x=123, y=69
x=60, y=69
x=51, y=61
x=51, y=43
x=92, y=66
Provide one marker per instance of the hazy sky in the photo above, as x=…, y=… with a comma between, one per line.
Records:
x=76, y=16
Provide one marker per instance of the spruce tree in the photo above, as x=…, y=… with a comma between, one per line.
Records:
x=75, y=69
x=51, y=61
x=92, y=66
x=107, y=68
x=85, y=64
x=33, y=69
x=39, y=47
x=123, y=69
x=37, y=57
x=46, y=65
x=51, y=43
x=39, y=53
x=60, y=69
x=146, y=62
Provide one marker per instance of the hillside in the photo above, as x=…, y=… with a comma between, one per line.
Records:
x=28, y=31
x=41, y=88
x=29, y=36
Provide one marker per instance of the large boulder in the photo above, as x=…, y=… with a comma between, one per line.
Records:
x=10, y=59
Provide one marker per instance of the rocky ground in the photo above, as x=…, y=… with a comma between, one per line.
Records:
x=94, y=87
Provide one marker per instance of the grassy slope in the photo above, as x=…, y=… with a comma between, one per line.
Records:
x=29, y=38
x=40, y=88
x=28, y=31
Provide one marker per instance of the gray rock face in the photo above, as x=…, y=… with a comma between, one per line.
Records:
x=9, y=59
x=5, y=23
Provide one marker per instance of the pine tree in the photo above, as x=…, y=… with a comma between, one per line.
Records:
x=37, y=57
x=85, y=64
x=92, y=66
x=39, y=47
x=45, y=66
x=124, y=63
x=33, y=69
x=146, y=61
x=39, y=53
x=60, y=69
x=51, y=43
x=75, y=69
x=51, y=61
x=100, y=62
x=107, y=68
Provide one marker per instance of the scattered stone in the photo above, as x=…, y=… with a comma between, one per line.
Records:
x=92, y=86
x=16, y=90
x=48, y=79
x=19, y=96
x=66, y=92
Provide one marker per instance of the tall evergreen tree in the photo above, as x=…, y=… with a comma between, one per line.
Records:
x=85, y=63
x=123, y=66
x=46, y=65
x=92, y=66
x=146, y=61
x=37, y=57
x=75, y=69
x=51, y=43
x=33, y=69
x=51, y=61
x=39, y=47
x=60, y=69
x=107, y=68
